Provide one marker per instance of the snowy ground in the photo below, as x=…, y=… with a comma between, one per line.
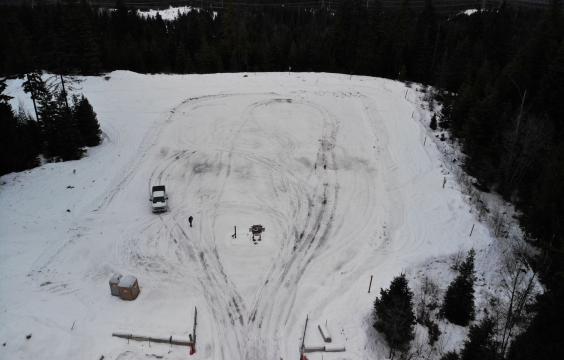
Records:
x=336, y=168
x=170, y=13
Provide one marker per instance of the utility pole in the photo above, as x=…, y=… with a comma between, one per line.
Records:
x=195, y=323
x=193, y=335
x=303, y=338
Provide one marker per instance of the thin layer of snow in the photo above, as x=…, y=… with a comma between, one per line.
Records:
x=115, y=279
x=336, y=168
x=127, y=281
x=158, y=194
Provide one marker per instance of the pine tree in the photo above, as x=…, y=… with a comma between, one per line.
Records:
x=86, y=121
x=59, y=132
x=46, y=113
x=480, y=344
x=18, y=145
x=544, y=337
x=3, y=97
x=90, y=52
x=35, y=86
x=8, y=130
x=458, y=305
x=67, y=141
x=394, y=316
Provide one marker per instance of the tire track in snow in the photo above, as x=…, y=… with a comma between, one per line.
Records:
x=223, y=300
x=225, y=303
x=276, y=299
x=254, y=333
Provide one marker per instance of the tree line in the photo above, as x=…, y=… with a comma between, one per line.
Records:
x=498, y=73
x=397, y=310
x=60, y=130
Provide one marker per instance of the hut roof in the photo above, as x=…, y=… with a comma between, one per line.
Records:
x=127, y=281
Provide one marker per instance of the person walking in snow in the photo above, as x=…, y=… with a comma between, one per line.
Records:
x=190, y=219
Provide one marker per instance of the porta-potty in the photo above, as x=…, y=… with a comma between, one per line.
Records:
x=128, y=287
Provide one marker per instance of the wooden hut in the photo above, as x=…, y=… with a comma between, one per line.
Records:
x=128, y=287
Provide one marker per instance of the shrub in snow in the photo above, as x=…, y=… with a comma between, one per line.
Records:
x=433, y=331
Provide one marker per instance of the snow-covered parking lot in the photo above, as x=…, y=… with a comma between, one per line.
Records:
x=336, y=168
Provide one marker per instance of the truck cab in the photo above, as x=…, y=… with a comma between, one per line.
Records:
x=159, y=199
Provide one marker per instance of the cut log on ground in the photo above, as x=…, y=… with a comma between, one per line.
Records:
x=323, y=348
x=313, y=348
x=325, y=334
x=334, y=348
x=173, y=340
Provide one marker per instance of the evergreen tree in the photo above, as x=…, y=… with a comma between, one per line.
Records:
x=458, y=305
x=543, y=339
x=86, y=122
x=59, y=131
x=67, y=139
x=18, y=149
x=35, y=86
x=46, y=114
x=3, y=97
x=480, y=344
x=8, y=135
x=89, y=51
x=394, y=316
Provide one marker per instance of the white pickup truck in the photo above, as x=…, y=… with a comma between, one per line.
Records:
x=159, y=199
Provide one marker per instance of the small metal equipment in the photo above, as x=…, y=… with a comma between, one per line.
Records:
x=256, y=231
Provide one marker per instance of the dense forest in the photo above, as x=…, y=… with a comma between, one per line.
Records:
x=499, y=74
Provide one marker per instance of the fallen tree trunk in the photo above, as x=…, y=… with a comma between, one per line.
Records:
x=173, y=340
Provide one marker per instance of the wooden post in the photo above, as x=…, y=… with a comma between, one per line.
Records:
x=425, y=142
x=472, y=230
x=370, y=285
x=193, y=336
x=195, y=323
x=303, y=339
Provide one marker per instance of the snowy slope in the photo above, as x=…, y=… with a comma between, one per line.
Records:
x=169, y=13
x=334, y=167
